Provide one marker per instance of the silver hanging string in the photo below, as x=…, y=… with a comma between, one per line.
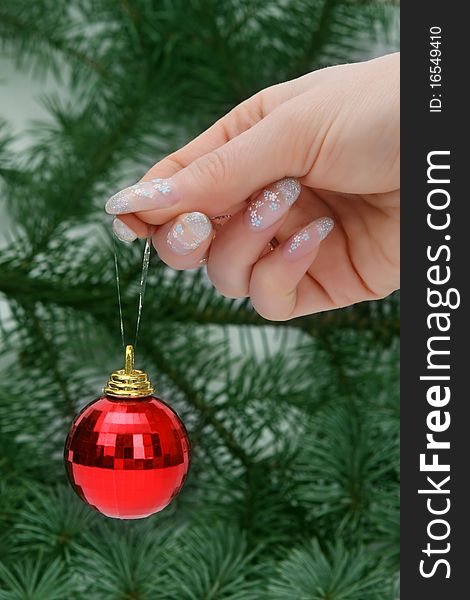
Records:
x=143, y=283
x=142, y=286
x=118, y=289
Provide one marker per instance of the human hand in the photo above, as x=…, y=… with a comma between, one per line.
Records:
x=336, y=131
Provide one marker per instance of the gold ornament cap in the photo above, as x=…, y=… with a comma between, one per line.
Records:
x=129, y=382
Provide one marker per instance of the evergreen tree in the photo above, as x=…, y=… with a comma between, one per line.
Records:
x=293, y=488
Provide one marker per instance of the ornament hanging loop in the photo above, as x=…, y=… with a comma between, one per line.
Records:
x=129, y=382
x=129, y=368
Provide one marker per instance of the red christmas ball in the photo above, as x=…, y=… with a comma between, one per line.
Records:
x=127, y=457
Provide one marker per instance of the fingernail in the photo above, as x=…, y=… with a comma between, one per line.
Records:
x=188, y=232
x=272, y=203
x=307, y=239
x=123, y=232
x=145, y=195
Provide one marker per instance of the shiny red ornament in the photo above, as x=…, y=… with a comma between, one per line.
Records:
x=127, y=457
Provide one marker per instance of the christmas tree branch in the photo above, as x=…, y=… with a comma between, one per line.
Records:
x=293, y=422
x=52, y=358
x=16, y=283
x=317, y=40
x=196, y=400
x=19, y=29
x=131, y=10
x=335, y=361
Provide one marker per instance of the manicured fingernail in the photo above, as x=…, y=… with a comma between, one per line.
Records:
x=188, y=232
x=307, y=239
x=123, y=232
x=272, y=203
x=145, y=195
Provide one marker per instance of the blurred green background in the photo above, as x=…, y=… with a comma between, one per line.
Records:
x=293, y=490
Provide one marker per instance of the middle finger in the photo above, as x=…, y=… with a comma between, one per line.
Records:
x=239, y=244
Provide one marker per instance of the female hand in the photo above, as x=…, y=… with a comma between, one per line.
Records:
x=336, y=131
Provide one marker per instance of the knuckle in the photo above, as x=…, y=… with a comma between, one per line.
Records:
x=248, y=113
x=245, y=115
x=308, y=124
x=241, y=118
x=211, y=166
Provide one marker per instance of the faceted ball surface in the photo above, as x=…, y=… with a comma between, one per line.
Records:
x=127, y=458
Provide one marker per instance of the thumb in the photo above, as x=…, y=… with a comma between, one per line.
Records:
x=220, y=180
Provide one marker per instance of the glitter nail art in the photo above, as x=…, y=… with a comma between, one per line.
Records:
x=162, y=185
x=273, y=203
x=253, y=210
x=119, y=203
x=272, y=199
x=189, y=232
x=307, y=239
x=138, y=190
x=290, y=188
x=303, y=236
x=324, y=226
x=123, y=232
x=146, y=190
x=144, y=195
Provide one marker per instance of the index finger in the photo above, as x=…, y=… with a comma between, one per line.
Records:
x=238, y=121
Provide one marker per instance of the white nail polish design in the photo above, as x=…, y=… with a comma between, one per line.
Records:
x=274, y=202
x=298, y=239
x=155, y=194
x=305, y=240
x=255, y=217
x=123, y=232
x=163, y=186
x=189, y=232
x=146, y=188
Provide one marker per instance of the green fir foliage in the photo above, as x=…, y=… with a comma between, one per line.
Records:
x=293, y=489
